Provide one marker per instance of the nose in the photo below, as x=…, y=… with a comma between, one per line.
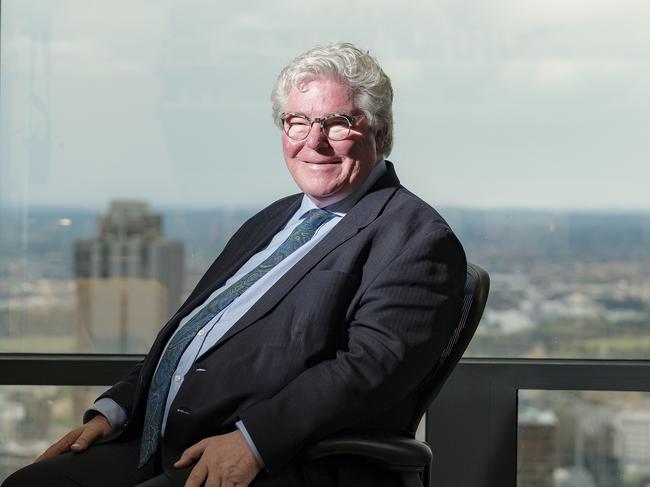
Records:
x=316, y=138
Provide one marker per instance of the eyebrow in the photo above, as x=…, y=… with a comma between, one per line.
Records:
x=324, y=116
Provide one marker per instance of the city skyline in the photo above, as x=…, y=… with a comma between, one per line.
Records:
x=579, y=306
x=576, y=275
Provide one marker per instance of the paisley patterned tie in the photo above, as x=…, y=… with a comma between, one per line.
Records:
x=160, y=384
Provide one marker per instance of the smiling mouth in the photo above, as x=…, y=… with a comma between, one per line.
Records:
x=318, y=163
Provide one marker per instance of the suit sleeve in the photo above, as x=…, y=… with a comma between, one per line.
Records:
x=123, y=392
x=398, y=331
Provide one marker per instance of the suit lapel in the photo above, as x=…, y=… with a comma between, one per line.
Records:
x=267, y=224
x=362, y=214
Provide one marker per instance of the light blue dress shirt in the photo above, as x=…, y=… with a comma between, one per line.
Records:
x=222, y=322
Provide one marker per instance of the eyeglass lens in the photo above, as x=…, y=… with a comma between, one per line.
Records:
x=334, y=128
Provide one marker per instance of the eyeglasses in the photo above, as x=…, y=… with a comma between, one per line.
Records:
x=335, y=126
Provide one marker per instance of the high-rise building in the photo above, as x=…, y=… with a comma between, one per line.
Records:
x=633, y=439
x=536, y=458
x=129, y=280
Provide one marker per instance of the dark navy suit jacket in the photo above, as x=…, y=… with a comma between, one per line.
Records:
x=340, y=342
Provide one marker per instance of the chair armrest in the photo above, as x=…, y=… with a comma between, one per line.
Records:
x=392, y=451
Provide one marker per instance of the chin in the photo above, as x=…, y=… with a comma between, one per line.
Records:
x=316, y=195
x=326, y=199
x=321, y=191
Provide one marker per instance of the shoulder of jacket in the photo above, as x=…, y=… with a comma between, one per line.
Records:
x=404, y=201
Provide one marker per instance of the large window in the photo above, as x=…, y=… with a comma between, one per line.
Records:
x=135, y=136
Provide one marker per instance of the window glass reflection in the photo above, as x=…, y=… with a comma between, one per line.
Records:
x=525, y=123
x=585, y=438
x=33, y=417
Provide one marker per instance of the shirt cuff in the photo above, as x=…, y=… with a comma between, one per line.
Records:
x=111, y=410
x=249, y=440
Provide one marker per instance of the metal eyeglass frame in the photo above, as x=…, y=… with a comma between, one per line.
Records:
x=321, y=121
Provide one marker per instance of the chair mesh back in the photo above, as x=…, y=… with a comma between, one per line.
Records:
x=467, y=305
x=477, y=285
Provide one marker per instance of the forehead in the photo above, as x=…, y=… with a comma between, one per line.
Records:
x=320, y=96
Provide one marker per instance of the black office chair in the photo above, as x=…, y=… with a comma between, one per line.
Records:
x=411, y=457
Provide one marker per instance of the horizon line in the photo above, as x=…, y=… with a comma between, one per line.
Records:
x=252, y=207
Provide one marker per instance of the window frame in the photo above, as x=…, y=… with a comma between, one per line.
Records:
x=473, y=422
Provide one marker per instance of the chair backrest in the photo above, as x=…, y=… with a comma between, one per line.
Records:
x=477, y=287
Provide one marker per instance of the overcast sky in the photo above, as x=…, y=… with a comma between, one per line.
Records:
x=497, y=103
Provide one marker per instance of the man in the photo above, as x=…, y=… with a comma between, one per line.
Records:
x=323, y=313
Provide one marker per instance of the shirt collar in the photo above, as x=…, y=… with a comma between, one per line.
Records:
x=342, y=207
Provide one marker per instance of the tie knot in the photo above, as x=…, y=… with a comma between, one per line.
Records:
x=317, y=217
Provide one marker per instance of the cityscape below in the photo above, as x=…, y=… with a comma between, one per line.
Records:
x=564, y=285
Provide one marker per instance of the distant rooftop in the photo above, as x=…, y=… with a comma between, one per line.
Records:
x=534, y=416
x=128, y=219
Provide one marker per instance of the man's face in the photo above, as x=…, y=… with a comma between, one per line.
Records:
x=325, y=170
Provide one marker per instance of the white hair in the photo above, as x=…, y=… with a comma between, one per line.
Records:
x=373, y=93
